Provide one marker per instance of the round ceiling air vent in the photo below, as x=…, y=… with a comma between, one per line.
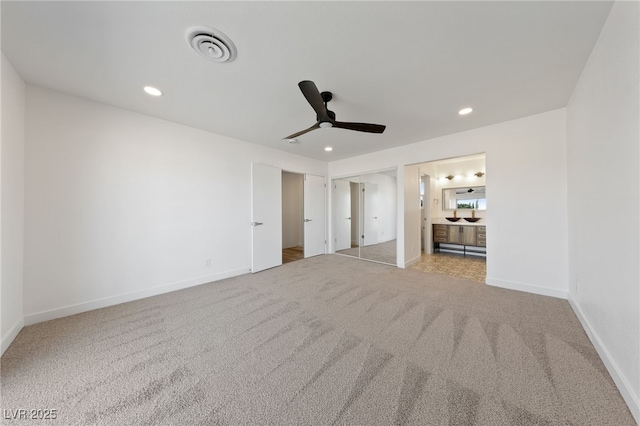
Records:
x=212, y=44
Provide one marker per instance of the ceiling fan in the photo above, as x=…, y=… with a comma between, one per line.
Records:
x=326, y=118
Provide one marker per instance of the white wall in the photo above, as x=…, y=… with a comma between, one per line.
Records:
x=119, y=205
x=12, y=202
x=604, y=198
x=526, y=181
x=430, y=208
x=292, y=209
x=412, y=216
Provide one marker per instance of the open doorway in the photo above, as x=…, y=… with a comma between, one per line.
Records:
x=303, y=216
x=453, y=217
x=306, y=230
x=292, y=217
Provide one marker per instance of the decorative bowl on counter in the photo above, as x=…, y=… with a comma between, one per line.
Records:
x=453, y=219
x=472, y=219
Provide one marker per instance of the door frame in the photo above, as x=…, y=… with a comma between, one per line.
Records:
x=427, y=240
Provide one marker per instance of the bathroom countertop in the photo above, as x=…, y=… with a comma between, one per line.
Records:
x=443, y=221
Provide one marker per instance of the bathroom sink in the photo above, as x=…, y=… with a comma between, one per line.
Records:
x=453, y=219
x=472, y=219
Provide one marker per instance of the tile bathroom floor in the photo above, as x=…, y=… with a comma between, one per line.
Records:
x=469, y=267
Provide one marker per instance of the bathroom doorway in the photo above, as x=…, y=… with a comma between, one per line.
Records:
x=464, y=175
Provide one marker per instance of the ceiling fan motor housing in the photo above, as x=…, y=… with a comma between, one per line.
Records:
x=332, y=115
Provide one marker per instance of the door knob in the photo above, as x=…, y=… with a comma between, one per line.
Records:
x=307, y=220
x=256, y=223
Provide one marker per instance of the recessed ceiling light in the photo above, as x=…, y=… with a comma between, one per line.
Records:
x=293, y=141
x=152, y=91
x=328, y=148
x=465, y=111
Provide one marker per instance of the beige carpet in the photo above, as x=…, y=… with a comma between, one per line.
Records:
x=322, y=341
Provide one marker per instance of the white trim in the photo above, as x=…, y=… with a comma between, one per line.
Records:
x=543, y=291
x=411, y=262
x=365, y=259
x=7, y=339
x=618, y=378
x=127, y=297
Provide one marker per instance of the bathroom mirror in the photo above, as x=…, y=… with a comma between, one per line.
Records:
x=365, y=216
x=464, y=198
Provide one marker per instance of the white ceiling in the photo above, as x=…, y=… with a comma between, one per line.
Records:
x=408, y=65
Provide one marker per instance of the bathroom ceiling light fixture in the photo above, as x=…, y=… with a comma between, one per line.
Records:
x=479, y=174
x=465, y=111
x=150, y=90
x=328, y=148
x=450, y=177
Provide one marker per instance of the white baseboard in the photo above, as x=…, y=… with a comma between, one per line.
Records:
x=625, y=389
x=543, y=291
x=411, y=262
x=127, y=297
x=7, y=339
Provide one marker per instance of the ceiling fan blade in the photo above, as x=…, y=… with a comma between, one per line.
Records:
x=311, y=92
x=360, y=127
x=302, y=132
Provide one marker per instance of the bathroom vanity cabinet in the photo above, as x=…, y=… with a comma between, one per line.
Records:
x=481, y=240
x=462, y=239
x=460, y=234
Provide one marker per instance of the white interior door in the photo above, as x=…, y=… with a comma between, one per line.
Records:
x=314, y=216
x=370, y=213
x=266, y=217
x=342, y=218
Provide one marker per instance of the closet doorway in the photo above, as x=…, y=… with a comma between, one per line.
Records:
x=303, y=219
x=292, y=216
x=306, y=231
